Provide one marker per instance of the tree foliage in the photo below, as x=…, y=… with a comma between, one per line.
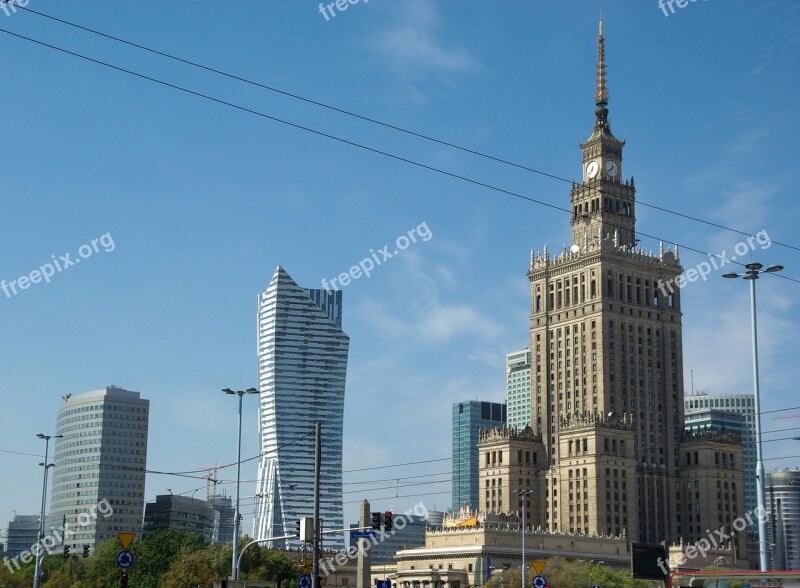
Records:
x=562, y=572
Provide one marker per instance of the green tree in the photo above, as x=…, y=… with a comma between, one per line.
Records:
x=61, y=573
x=102, y=570
x=191, y=570
x=575, y=574
x=277, y=566
x=16, y=578
x=155, y=554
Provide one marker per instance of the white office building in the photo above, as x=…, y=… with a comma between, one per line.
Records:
x=98, y=480
x=302, y=364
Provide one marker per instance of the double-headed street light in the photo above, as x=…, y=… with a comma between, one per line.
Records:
x=37, y=572
x=753, y=271
x=234, y=566
x=523, y=497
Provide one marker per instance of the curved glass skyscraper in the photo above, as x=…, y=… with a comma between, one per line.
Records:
x=302, y=365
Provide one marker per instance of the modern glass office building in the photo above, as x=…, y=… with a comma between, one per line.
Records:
x=23, y=532
x=302, y=364
x=183, y=513
x=708, y=410
x=99, y=478
x=468, y=419
x=518, y=388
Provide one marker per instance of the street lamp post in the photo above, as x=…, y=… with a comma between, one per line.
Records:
x=37, y=572
x=523, y=496
x=234, y=556
x=752, y=274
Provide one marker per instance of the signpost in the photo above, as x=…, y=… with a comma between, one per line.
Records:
x=126, y=539
x=124, y=559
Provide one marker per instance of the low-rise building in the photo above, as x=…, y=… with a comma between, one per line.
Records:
x=23, y=532
x=183, y=513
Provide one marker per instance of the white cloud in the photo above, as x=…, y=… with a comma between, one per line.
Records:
x=414, y=44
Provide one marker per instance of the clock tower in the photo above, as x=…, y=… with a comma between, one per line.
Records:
x=606, y=359
x=603, y=205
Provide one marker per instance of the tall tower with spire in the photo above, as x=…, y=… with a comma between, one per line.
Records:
x=606, y=358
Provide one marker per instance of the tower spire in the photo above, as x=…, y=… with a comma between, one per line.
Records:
x=601, y=94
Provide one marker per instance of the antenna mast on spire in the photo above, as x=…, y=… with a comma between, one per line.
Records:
x=601, y=94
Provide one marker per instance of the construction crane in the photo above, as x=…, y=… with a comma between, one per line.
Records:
x=210, y=478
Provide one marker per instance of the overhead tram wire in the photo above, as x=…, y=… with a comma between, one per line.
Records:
x=361, y=146
x=366, y=490
x=373, y=498
x=375, y=121
x=184, y=474
x=224, y=482
x=68, y=459
x=222, y=467
x=397, y=465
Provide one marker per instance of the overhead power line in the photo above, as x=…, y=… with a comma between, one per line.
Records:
x=375, y=121
x=362, y=146
x=397, y=465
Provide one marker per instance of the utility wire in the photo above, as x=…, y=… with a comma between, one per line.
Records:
x=372, y=499
x=362, y=146
x=397, y=465
x=393, y=479
x=376, y=121
x=222, y=467
x=781, y=439
x=365, y=490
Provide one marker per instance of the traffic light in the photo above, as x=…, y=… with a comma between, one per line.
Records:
x=307, y=529
x=66, y=551
x=85, y=550
x=123, y=580
x=376, y=521
x=387, y=521
x=297, y=527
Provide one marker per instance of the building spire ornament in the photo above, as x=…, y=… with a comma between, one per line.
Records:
x=601, y=94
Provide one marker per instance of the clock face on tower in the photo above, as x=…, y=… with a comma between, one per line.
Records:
x=611, y=168
x=592, y=168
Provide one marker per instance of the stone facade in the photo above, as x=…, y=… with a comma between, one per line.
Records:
x=607, y=364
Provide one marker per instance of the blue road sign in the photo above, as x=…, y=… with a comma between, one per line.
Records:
x=304, y=581
x=124, y=559
x=361, y=534
x=383, y=583
x=595, y=586
x=538, y=582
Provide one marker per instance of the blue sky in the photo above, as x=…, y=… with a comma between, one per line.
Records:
x=203, y=202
